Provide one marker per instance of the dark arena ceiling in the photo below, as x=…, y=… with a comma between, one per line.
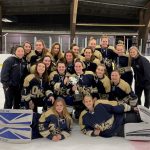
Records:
x=55, y=14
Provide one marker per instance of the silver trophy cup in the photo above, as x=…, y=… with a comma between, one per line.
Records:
x=77, y=95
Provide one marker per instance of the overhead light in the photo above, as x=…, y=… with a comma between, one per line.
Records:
x=6, y=20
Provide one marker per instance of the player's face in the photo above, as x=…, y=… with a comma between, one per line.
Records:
x=104, y=42
x=78, y=67
x=47, y=61
x=88, y=53
x=40, y=68
x=92, y=43
x=27, y=48
x=75, y=49
x=39, y=46
x=56, y=49
x=19, y=52
x=133, y=53
x=69, y=57
x=120, y=50
x=88, y=102
x=115, y=77
x=100, y=71
x=59, y=107
x=61, y=68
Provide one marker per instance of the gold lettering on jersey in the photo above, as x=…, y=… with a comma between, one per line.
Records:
x=105, y=125
x=36, y=91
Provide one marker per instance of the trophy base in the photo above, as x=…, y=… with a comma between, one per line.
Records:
x=78, y=97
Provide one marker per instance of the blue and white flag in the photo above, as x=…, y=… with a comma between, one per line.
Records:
x=16, y=116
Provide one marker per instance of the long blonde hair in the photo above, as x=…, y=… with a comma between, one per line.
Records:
x=65, y=112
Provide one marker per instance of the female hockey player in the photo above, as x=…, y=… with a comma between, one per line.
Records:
x=122, y=62
x=56, y=52
x=27, y=49
x=55, y=124
x=69, y=61
x=92, y=44
x=121, y=90
x=75, y=49
x=108, y=54
x=108, y=119
x=90, y=60
x=36, y=91
x=50, y=66
x=39, y=52
x=59, y=82
x=27, y=54
x=82, y=85
x=102, y=82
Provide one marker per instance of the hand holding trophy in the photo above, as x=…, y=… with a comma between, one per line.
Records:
x=74, y=81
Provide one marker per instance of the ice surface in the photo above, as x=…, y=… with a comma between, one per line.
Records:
x=77, y=141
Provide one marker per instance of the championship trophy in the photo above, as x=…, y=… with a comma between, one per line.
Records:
x=77, y=95
x=108, y=62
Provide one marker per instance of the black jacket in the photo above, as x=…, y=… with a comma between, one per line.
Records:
x=13, y=72
x=141, y=68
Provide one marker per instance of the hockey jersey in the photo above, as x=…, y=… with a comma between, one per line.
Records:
x=105, y=117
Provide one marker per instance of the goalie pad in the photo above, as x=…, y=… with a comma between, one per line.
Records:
x=16, y=116
x=144, y=113
x=15, y=125
x=137, y=131
x=15, y=133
